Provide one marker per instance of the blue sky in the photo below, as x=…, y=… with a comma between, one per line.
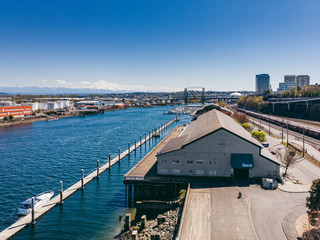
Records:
x=157, y=45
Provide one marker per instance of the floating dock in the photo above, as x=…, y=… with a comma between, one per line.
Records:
x=27, y=220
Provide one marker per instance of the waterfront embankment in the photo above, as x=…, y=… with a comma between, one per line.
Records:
x=45, y=117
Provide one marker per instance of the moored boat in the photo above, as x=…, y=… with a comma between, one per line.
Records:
x=39, y=200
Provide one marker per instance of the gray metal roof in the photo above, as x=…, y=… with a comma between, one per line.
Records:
x=208, y=123
x=205, y=124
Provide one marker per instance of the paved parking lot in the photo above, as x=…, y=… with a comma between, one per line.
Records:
x=213, y=211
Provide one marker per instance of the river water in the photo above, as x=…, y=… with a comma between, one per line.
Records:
x=36, y=156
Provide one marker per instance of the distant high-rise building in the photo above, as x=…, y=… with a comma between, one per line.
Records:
x=262, y=83
x=289, y=78
x=284, y=86
x=303, y=80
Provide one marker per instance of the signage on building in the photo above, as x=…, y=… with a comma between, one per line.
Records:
x=247, y=165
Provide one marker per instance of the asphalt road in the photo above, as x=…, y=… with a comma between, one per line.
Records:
x=269, y=207
x=213, y=212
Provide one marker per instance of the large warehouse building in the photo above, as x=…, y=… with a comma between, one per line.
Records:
x=214, y=145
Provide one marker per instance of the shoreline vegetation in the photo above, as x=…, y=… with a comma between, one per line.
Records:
x=45, y=117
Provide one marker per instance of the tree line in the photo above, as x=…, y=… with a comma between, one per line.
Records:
x=305, y=91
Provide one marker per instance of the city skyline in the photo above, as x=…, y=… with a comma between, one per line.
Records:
x=157, y=46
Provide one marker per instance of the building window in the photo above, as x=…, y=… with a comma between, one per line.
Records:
x=175, y=161
x=163, y=171
x=268, y=173
x=163, y=161
x=199, y=161
x=210, y=162
x=275, y=174
x=189, y=161
x=199, y=172
x=189, y=171
x=212, y=172
x=175, y=171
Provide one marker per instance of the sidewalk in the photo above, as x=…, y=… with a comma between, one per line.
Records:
x=293, y=186
x=289, y=222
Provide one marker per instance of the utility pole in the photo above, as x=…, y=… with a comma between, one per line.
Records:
x=260, y=120
x=303, y=143
x=282, y=131
x=269, y=124
x=287, y=133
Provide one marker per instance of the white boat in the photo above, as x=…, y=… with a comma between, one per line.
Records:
x=39, y=200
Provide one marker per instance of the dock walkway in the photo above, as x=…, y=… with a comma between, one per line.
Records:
x=25, y=221
x=143, y=167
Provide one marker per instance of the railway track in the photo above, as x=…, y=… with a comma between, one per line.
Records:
x=307, y=139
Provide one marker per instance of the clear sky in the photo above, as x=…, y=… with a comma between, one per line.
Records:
x=157, y=44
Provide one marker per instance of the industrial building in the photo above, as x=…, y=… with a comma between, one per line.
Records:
x=214, y=145
x=16, y=111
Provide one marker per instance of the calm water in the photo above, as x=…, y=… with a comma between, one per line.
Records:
x=35, y=157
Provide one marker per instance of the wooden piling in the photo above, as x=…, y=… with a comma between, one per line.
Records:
x=82, y=178
x=109, y=162
x=98, y=168
x=33, y=221
x=61, y=192
x=128, y=147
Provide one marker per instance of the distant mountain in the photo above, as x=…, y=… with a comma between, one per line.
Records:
x=53, y=91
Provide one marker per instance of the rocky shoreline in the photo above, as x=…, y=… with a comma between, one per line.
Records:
x=163, y=227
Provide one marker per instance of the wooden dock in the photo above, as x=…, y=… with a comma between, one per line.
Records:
x=25, y=221
x=140, y=170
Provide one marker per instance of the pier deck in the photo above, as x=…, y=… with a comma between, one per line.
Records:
x=213, y=211
x=146, y=166
x=25, y=221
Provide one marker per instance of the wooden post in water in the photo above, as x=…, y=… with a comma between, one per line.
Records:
x=140, y=140
x=97, y=168
x=149, y=135
x=128, y=147
x=135, y=144
x=109, y=162
x=32, y=211
x=61, y=192
x=119, y=155
x=82, y=178
x=145, y=137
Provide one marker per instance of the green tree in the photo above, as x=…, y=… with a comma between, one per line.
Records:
x=260, y=136
x=10, y=117
x=313, y=203
x=246, y=126
x=5, y=119
x=222, y=104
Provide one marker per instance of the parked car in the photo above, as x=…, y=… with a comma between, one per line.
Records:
x=265, y=144
x=269, y=183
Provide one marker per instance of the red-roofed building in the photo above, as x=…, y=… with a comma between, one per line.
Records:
x=17, y=111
